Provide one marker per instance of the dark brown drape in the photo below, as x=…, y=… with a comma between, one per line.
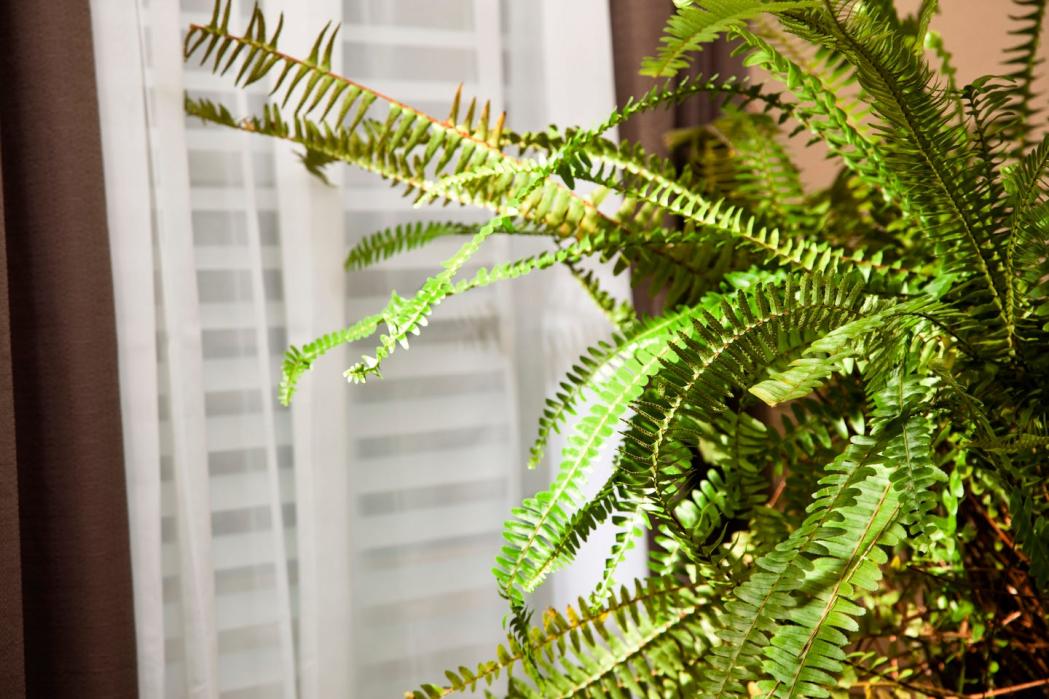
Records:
x=66, y=624
x=636, y=28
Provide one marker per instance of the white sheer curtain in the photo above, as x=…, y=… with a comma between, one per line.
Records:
x=342, y=548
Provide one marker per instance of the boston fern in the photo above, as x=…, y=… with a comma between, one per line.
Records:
x=882, y=527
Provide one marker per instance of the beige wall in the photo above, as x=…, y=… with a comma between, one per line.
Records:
x=976, y=32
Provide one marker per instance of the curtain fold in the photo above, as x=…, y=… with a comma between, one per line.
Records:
x=66, y=560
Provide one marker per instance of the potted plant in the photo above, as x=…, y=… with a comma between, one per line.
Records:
x=884, y=527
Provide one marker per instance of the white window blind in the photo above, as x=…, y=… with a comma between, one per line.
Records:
x=343, y=547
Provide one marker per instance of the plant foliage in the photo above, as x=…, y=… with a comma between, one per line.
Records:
x=837, y=429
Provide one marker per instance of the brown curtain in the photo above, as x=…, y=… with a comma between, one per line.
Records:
x=66, y=624
x=636, y=28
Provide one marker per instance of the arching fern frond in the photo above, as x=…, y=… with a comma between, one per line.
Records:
x=729, y=353
x=809, y=578
x=645, y=183
x=758, y=606
x=299, y=360
x=821, y=111
x=656, y=612
x=692, y=26
x=804, y=654
x=870, y=337
x=595, y=367
x=639, y=652
x=1028, y=249
x=928, y=152
x=535, y=537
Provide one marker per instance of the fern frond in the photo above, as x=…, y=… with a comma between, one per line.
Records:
x=1028, y=249
x=821, y=111
x=405, y=316
x=804, y=654
x=692, y=26
x=299, y=360
x=729, y=354
x=534, y=537
x=875, y=334
x=928, y=152
x=914, y=474
x=648, y=182
x=407, y=163
x=311, y=85
x=809, y=578
x=641, y=651
x=595, y=367
x=758, y=606
x=405, y=145
x=384, y=244
x=1023, y=60
x=644, y=609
